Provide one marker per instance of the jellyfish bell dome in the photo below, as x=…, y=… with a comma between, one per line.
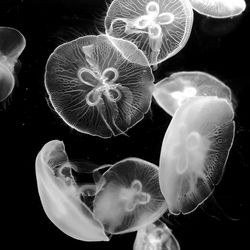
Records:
x=159, y=28
x=172, y=92
x=98, y=85
x=12, y=43
x=129, y=196
x=219, y=8
x=194, y=152
x=59, y=195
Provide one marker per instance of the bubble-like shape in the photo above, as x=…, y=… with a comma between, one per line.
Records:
x=60, y=196
x=96, y=87
x=172, y=92
x=219, y=8
x=12, y=43
x=129, y=196
x=194, y=152
x=159, y=28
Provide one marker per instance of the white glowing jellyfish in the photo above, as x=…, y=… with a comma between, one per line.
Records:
x=219, y=8
x=60, y=195
x=156, y=236
x=171, y=92
x=98, y=89
x=159, y=28
x=129, y=196
x=123, y=199
x=194, y=152
x=12, y=43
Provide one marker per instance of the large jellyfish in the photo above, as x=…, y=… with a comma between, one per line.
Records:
x=171, y=92
x=124, y=198
x=96, y=87
x=159, y=28
x=194, y=152
x=219, y=8
x=12, y=43
x=156, y=236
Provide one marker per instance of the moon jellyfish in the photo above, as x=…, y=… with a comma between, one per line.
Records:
x=98, y=89
x=12, y=43
x=194, y=152
x=129, y=196
x=156, y=236
x=171, y=92
x=219, y=8
x=159, y=28
x=60, y=195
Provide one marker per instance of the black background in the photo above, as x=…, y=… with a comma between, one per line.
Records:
x=219, y=47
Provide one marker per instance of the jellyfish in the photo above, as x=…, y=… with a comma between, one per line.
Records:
x=159, y=28
x=123, y=199
x=60, y=196
x=98, y=88
x=194, y=152
x=156, y=236
x=219, y=8
x=128, y=196
x=12, y=43
x=171, y=92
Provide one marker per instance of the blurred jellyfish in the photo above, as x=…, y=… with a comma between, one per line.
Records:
x=194, y=152
x=129, y=196
x=156, y=236
x=12, y=43
x=159, y=28
x=219, y=8
x=60, y=195
x=96, y=87
x=171, y=92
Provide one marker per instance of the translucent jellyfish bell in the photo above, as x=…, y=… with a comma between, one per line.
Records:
x=159, y=28
x=156, y=236
x=12, y=43
x=129, y=196
x=171, y=92
x=60, y=195
x=219, y=8
x=194, y=152
x=96, y=87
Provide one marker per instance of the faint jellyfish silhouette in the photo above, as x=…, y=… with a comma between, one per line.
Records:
x=12, y=43
x=159, y=28
x=194, y=152
x=96, y=87
x=171, y=92
x=128, y=196
x=60, y=196
x=219, y=8
x=156, y=236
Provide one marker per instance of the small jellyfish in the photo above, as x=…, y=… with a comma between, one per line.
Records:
x=156, y=236
x=12, y=43
x=159, y=28
x=171, y=92
x=96, y=87
x=194, y=152
x=219, y=8
x=129, y=196
x=60, y=196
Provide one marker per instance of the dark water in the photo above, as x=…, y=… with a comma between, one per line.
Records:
x=219, y=47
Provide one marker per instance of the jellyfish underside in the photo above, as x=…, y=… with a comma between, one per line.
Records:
x=194, y=152
x=12, y=44
x=219, y=8
x=110, y=205
x=155, y=27
x=172, y=92
x=156, y=236
x=101, y=91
